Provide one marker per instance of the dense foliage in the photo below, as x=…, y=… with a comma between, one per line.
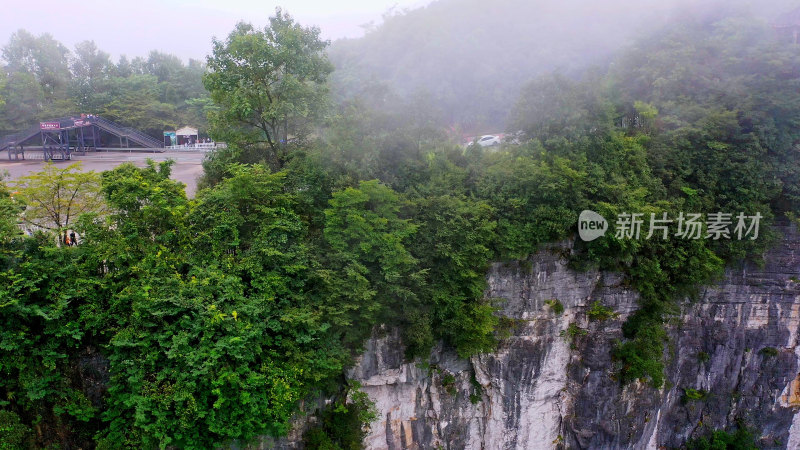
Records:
x=196, y=322
x=340, y=425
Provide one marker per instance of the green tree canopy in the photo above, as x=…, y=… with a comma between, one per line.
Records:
x=42, y=56
x=269, y=83
x=55, y=197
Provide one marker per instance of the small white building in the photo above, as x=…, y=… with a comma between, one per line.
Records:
x=186, y=135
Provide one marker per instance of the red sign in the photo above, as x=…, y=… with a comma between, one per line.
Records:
x=50, y=125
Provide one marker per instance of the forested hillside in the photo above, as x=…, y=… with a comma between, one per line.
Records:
x=198, y=322
x=42, y=79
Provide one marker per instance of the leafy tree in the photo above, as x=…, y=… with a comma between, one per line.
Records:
x=368, y=270
x=42, y=56
x=149, y=205
x=135, y=101
x=24, y=101
x=269, y=83
x=537, y=198
x=163, y=66
x=454, y=243
x=55, y=197
x=9, y=214
x=13, y=433
x=177, y=82
x=91, y=70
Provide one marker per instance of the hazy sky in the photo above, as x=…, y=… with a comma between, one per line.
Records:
x=181, y=27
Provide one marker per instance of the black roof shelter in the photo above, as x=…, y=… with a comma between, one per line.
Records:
x=58, y=138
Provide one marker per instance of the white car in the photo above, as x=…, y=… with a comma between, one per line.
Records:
x=489, y=140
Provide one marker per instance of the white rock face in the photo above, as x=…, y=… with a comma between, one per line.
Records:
x=540, y=390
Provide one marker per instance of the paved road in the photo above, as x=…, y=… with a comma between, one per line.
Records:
x=187, y=169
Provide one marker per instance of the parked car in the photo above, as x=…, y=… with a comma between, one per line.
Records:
x=486, y=140
x=489, y=140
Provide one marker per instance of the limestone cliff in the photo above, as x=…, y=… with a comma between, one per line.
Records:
x=541, y=390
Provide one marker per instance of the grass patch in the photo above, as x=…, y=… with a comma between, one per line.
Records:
x=600, y=313
x=572, y=332
x=555, y=306
x=691, y=394
x=769, y=352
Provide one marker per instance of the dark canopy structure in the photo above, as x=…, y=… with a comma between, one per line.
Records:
x=58, y=138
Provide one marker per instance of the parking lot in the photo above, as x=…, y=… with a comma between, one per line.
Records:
x=187, y=169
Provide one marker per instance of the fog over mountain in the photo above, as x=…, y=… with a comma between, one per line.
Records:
x=470, y=57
